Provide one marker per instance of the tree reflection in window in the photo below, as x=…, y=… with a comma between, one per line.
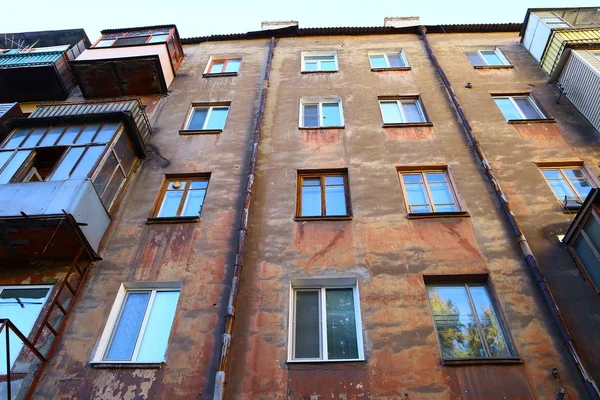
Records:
x=466, y=322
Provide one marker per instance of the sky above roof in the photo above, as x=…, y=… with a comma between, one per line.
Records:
x=205, y=17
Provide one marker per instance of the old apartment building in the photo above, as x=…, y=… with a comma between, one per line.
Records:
x=390, y=212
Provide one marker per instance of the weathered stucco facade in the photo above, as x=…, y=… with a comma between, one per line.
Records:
x=391, y=253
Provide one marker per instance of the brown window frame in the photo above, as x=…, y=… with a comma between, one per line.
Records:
x=461, y=209
x=321, y=174
x=187, y=179
x=225, y=60
x=592, y=213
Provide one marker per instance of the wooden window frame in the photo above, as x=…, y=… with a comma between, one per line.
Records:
x=225, y=60
x=461, y=210
x=321, y=285
x=399, y=101
x=321, y=174
x=210, y=106
x=466, y=280
x=158, y=203
x=319, y=53
x=319, y=102
x=560, y=166
x=592, y=213
x=385, y=55
x=542, y=115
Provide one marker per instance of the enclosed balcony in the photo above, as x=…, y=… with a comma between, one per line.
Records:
x=133, y=61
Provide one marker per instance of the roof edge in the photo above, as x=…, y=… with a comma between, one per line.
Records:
x=138, y=28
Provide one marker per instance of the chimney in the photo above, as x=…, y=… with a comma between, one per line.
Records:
x=268, y=25
x=401, y=22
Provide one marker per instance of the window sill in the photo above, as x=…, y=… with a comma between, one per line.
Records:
x=319, y=72
x=480, y=361
x=324, y=361
x=325, y=218
x=509, y=66
x=391, y=69
x=531, y=121
x=200, y=131
x=306, y=128
x=122, y=364
x=220, y=74
x=406, y=124
x=171, y=220
x=438, y=214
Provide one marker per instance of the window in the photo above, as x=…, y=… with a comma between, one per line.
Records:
x=481, y=58
x=22, y=305
x=596, y=54
x=429, y=191
x=323, y=194
x=321, y=113
x=315, y=61
x=570, y=184
x=585, y=246
x=325, y=322
x=388, y=60
x=134, y=38
x=208, y=118
x=518, y=107
x=182, y=196
x=402, y=111
x=553, y=21
x=139, y=324
x=466, y=321
x=223, y=66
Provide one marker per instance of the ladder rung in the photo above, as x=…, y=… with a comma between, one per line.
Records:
x=51, y=328
x=61, y=308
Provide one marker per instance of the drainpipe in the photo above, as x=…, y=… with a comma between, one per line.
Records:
x=243, y=230
x=532, y=263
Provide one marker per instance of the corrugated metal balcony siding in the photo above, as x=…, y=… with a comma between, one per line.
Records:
x=558, y=41
x=27, y=59
x=581, y=81
x=132, y=105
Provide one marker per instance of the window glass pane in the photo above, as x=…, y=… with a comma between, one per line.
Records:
x=87, y=162
x=128, y=41
x=126, y=332
x=104, y=43
x=125, y=152
x=310, y=66
x=198, y=185
x=508, y=109
x=416, y=194
x=197, y=119
x=106, y=132
x=4, y=156
x=440, y=193
x=475, y=59
x=34, y=137
x=158, y=38
x=22, y=306
x=311, y=115
x=171, y=203
x=69, y=136
x=307, y=343
x=455, y=323
x=331, y=114
x=52, y=135
x=391, y=112
x=311, y=200
x=112, y=188
x=561, y=189
x=335, y=200
x=14, y=164
x=328, y=66
x=193, y=203
x=579, y=181
x=88, y=133
x=588, y=259
x=492, y=330
x=218, y=117
x=412, y=111
x=66, y=165
x=156, y=334
x=216, y=67
x=16, y=138
x=491, y=57
x=395, y=60
x=341, y=324
x=412, y=178
x=334, y=180
x=377, y=61
x=592, y=229
x=106, y=172
x=552, y=174
x=527, y=108
x=233, y=65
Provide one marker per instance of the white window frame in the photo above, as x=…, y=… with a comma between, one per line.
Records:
x=387, y=61
x=216, y=57
x=498, y=53
x=115, y=316
x=322, y=284
x=319, y=54
x=514, y=103
x=399, y=102
x=596, y=54
x=208, y=115
x=320, y=102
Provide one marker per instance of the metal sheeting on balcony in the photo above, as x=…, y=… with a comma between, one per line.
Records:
x=580, y=79
x=14, y=59
x=562, y=38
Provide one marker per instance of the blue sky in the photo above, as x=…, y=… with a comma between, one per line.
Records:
x=198, y=17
